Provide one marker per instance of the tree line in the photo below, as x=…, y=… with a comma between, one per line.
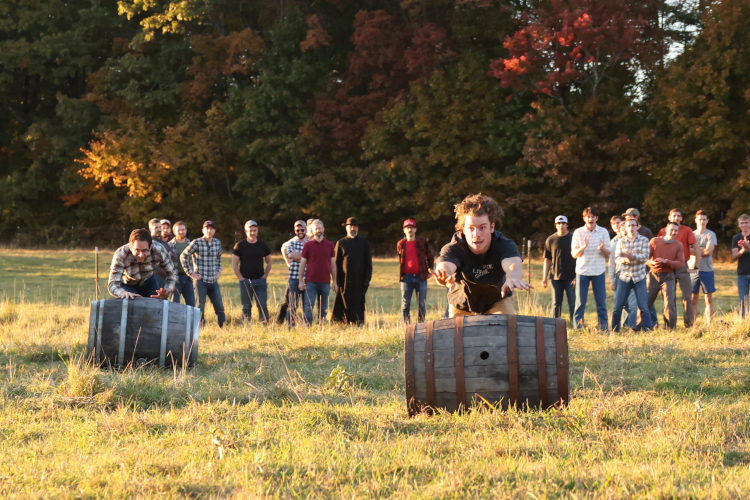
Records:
x=276, y=110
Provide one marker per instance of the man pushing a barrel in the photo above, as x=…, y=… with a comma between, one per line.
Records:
x=132, y=272
x=480, y=266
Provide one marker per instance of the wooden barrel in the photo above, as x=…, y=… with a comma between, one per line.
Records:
x=124, y=331
x=513, y=360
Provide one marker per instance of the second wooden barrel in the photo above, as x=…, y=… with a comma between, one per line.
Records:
x=122, y=331
x=507, y=359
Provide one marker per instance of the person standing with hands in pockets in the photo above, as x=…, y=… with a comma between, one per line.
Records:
x=248, y=257
x=202, y=262
x=591, y=248
x=741, y=253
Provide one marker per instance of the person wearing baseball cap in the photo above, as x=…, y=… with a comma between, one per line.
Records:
x=166, y=230
x=353, y=272
x=202, y=262
x=415, y=261
x=248, y=257
x=291, y=251
x=633, y=213
x=557, y=258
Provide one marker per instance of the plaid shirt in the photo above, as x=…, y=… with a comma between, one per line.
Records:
x=202, y=257
x=424, y=256
x=634, y=268
x=126, y=270
x=592, y=262
x=294, y=245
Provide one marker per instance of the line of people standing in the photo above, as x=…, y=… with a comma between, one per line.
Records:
x=641, y=267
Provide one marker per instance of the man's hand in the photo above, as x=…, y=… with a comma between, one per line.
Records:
x=442, y=278
x=586, y=240
x=544, y=283
x=573, y=283
x=196, y=276
x=514, y=284
x=301, y=285
x=335, y=288
x=601, y=245
x=161, y=293
x=614, y=286
x=128, y=295
x=218, y=275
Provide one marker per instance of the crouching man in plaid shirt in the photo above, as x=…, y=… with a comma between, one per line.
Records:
x=202, y=262
x=631, y=254
x=132, y=272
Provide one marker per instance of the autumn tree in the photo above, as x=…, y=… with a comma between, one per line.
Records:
x=700, y=116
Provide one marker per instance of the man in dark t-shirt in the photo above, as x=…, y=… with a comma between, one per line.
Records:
x=480, y=266
x=248, y=258
x=741, y=253
x=557, y=256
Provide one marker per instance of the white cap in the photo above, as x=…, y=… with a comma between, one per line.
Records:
x=561, y=218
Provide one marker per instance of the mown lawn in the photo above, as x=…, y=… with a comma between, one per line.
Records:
x=657, y=415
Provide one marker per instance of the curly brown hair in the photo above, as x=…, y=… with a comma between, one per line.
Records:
x=477, y=205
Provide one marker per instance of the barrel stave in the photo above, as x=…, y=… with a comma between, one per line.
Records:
x=143, y=331
x=488, y=378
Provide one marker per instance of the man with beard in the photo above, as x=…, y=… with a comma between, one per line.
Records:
x=354, y=272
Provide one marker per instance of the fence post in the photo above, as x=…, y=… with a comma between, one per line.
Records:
x=18, y=236
x=96, y=279
x=72, y=236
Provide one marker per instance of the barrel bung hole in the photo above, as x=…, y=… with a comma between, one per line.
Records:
x=484, y=355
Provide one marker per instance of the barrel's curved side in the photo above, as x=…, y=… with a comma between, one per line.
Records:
x=482, y=352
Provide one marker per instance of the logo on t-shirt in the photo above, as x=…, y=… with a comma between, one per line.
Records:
x=478, y=273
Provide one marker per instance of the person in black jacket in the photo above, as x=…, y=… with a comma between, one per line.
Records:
x=354, y=272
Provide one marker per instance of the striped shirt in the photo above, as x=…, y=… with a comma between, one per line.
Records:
x=592, y=262
x=632, y=268
x=294, y=245
x=125, y=269
x=202, y=257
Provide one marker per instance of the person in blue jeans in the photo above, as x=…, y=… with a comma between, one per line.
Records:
x=591, y=247
x=631, y=255
x=184, y=284
x=558, y=259
x=202, y=262
x=415, y=261
x=248, y=258
x=741, y=253
x=317, y=268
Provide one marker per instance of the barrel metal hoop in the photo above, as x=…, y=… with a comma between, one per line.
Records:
x=196, y=333
x=188, y=349
x=410, y=371
x=513, y=360
x=164, y=331
x=99, y=325
x=92, y=329
x=429, y=365
x=123, y=331
x=561, y=349
x=458, y=362
x=541, y=363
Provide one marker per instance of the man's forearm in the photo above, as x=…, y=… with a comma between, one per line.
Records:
x=545, y=271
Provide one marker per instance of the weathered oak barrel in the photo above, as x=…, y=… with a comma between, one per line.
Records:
x=124, y=331
x=514, y=360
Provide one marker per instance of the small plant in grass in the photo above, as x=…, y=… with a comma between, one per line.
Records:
x=83, y=384
x=339, y=379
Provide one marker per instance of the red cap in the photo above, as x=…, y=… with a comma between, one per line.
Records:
x=409, y=222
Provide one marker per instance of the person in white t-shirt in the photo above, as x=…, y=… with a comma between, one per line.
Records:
x=704, y=278
x=591, y=247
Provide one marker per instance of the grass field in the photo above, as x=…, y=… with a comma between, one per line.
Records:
x=653, y=415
